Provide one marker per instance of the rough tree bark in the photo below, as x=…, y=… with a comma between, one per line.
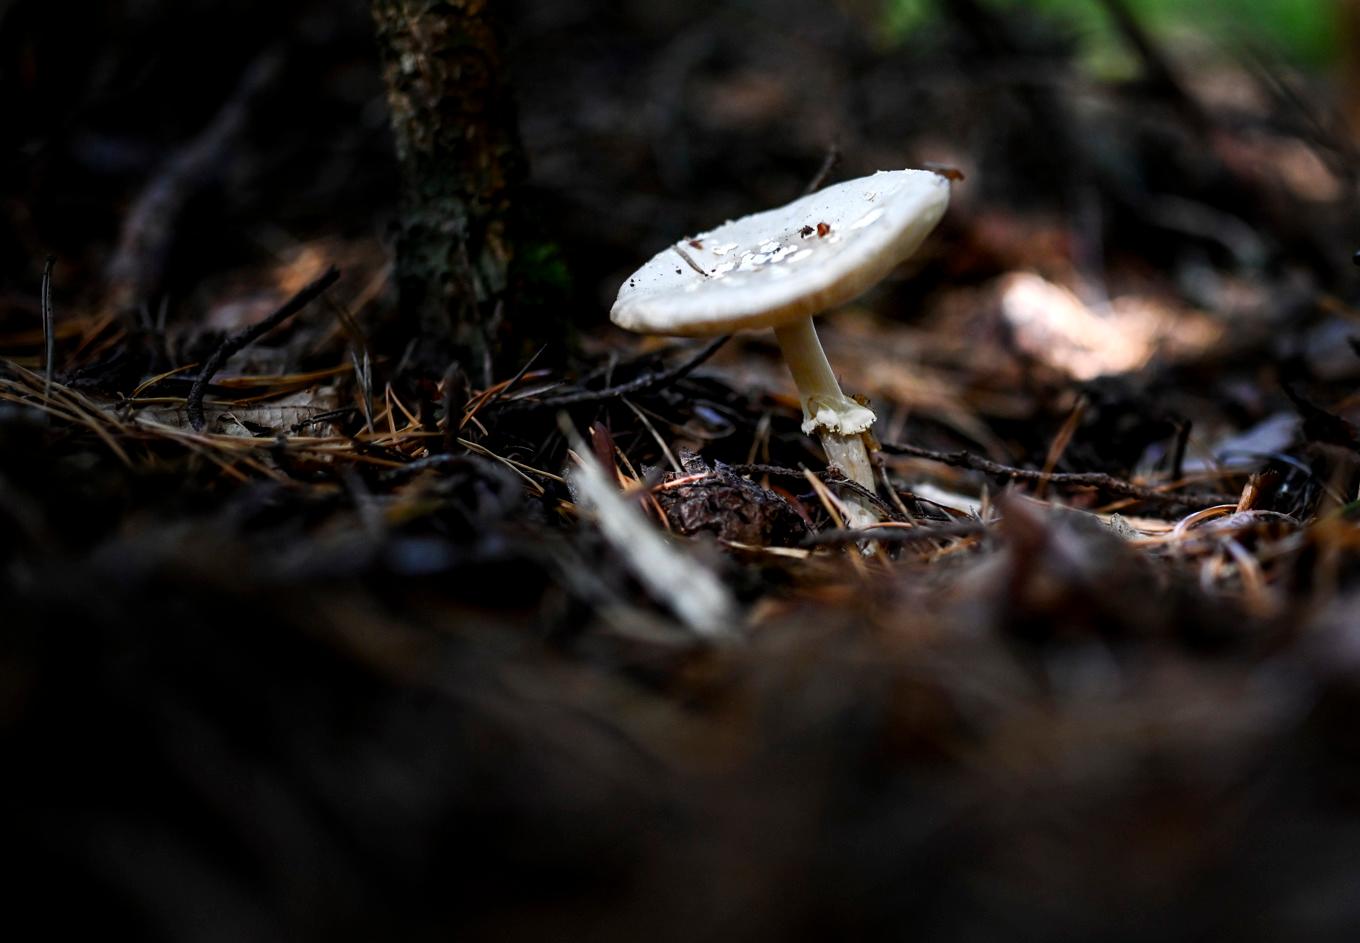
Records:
x=454, y=122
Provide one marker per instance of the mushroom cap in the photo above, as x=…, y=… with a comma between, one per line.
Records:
x=780, y=265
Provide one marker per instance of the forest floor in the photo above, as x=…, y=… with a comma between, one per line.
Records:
x=587, y=653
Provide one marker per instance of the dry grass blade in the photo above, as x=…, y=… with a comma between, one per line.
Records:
x=1059, y=445
x=62, y=402
x=834, y=509
x=656, y=437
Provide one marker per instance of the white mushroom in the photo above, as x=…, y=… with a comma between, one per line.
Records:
x=779, y=269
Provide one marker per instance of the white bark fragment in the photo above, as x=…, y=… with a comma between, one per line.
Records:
x=676, y=579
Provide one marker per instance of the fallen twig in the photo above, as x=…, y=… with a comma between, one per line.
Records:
x=646, y=383
x=510, y=384
x=136, y=270
x=48, y=326
x=857, y=488
x=1100, y=480
x=1157, y=69
x=777, y=471
x=245, y=338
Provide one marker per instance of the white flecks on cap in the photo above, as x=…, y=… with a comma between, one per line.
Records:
x=798, y=260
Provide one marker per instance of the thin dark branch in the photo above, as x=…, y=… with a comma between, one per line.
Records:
x=646, y=383
x=777, y=471
x=457, y=392
x=250, y=335
x=137, y=269
x=1099, y=480
x=328, y=416
x=1178, y=447
x=1316, y=128
x=514, y=380
x=846, y=484
x=1156, y=69
x=1319, y=425
x=49, y=327
x=391, y=476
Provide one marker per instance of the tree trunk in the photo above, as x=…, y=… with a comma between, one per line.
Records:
x=460, y=158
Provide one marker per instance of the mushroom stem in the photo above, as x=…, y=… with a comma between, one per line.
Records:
x=839, y=421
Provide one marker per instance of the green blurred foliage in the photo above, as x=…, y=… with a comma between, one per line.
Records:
x=1299, y=30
